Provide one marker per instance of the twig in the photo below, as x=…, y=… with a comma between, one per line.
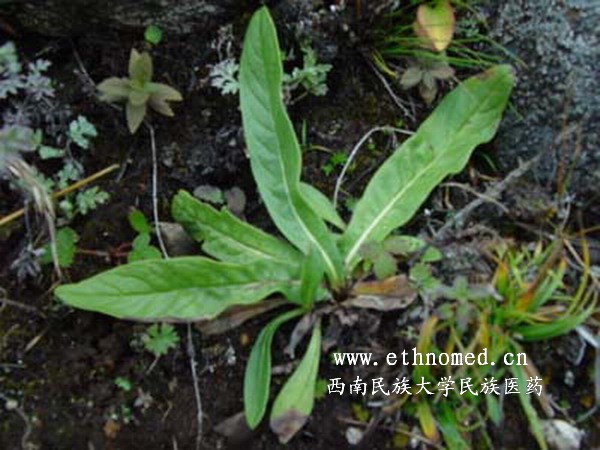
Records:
x=83, y=70
x=161, y=244
x=20, y=305
x=152, y=365
x=483, y=197
x=190, y=344
x=12, y=405
x=192, y=357
x=390, y=91
x=492, y=192
x=56, y=195
x=340, y=179
x=392, y=429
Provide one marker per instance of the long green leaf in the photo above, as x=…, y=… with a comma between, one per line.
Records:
x=560, y=326
x=465, y=118
x=311, y=275
x=448, y=424
x=226, y=237
x=257, y=378
x=532, y=416
x=322, y=205
x=275, y=156
x=295, y=401
x=180, y=288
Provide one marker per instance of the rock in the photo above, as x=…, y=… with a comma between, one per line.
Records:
x=556, y=93
x=354, y=435
x=72, y=17
x=177, y=241
x=561, y=435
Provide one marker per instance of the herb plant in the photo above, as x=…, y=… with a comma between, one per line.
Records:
x=528, y=301
x=139, y=91
x=245, y=265
x=31, y=117
x=159, y=339
x=141, y=248
x=311, y=77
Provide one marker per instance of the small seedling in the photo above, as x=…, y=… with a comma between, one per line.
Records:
x=80, y=132
x=159, y=339
x=224, y=76
x=426, y=74
x=312, y=76
x=153, y=34
x=338, y=159
x=139, y=91
x=66, y=247
x=141, y=247
x=381, y=256
x=123, y=383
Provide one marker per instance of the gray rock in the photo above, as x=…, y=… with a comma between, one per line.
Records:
x=557, y=93
x=71, y=17
x=177, y=241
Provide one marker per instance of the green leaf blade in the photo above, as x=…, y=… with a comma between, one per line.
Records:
x=322, y=205
x=273, y=146
x=295, y=401
x=66, y=240
x=228, y=238
x=312, y=274
x=182, y=288
x=257, y=377
x=465, y=118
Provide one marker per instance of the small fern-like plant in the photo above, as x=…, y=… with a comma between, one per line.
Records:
x=139, y=91
x=245, y=265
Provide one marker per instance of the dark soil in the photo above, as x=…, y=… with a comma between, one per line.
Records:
x=61, y=364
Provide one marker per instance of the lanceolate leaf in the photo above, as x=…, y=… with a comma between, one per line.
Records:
x=228, y=238
x=530, y=412
x=179, y=288
x=450, y=428
x=322, y=205
x=257, y=379
x=274, y=151
x=465, y=118
x=311, y=276
x=295, y=401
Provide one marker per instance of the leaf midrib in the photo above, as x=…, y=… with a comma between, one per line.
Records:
x=278, y=103
x=354, y=249
x=193, y=288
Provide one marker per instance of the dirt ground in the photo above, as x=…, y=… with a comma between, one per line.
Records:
x=61, y=364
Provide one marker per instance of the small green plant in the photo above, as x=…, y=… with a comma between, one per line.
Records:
x=123, y=383
x=430, y=42
x=245, y=265
x=66, y=247
x=526, y=302
x=311, y=77
x=29, y=106
x=224, y=76
x=139, y=91
x=153, y=34
x=159, y=339
x=337, y=159
x=141, y=248
x=80, y=132
x=426, y=74
x=382, y=255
